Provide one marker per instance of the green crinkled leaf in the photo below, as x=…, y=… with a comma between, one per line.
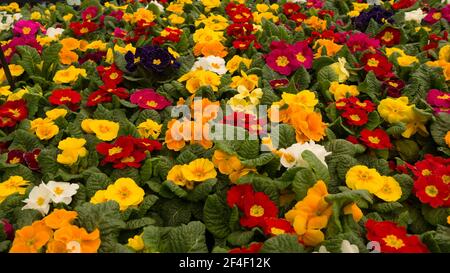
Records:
x=175, y=212
x=19, y=170
x=442, y=238
x=440, y=127
x=30, y=59
x=146, y=170
x=96, y=182
x=186, y=157
x=25, y=140
x=406, y=183
x=284, y=243
x=174, y=188
x=161, y=167
x=249, y=149
x=139, y=223
x=104, y=216
x=128, y=172
x=261, y=183
x=283, y=136
x=341, y=147
x=325, y=76
x=216, y=215
x=268, y=96
x=387, y=207
x=371, y=86
x=188, y=238
x=32, y=103
x=421, y=81
x=303, y=180
x=240, y=238
x=154, y=238
x=50, y=56
x=435, y=216
x=149, y=201
x=26, y=217
x=261, y=160
x=319, y=169
x=201, y=191
x=4, y=246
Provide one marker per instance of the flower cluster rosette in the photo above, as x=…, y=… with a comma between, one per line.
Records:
x=225, y=126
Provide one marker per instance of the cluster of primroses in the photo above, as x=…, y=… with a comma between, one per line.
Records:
x=357, y=89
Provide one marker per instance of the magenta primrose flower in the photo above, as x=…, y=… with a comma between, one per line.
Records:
x=285, y=58
x=149, y=99
x=26, y=28
x=439, y=100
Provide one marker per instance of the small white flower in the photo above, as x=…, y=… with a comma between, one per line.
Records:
x=292, y=156
x=374, y=2
x=415, y=15
x=73, y=2
x=54, y=32
x=296, y=1
x=347, y=247
x=322, y=249
x=39, y=199
x=211, y=63
x=62, y=192
x=158, y=5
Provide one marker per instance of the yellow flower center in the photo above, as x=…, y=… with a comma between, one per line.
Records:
x=40, y=201
x=256, y=211
x=437, y=15
x=355, y=117
x=374, y=140
x=300, y=57
x=127, y=159
x=431, y=190
x=113, y=76
x=15, y=112
x=84, y=30
x=393, y=241
x=282, y=61
x=114, y=151
x=15, y=160
x=388, y=36
x=152, y=103
x=446, y=179
x=426, y=172
x=136, y=60
x=64, y=99
x=124, y=193
x=215, y=65
x=104, y=128
x=393, y=84
x=289, y=158
x=58, y=191
x=444, y=97
x=276, y=231
x=8, y=52
x=26, y=30
x=156, y=61
x=372, y=62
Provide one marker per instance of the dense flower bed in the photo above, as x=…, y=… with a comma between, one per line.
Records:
x=225, y=126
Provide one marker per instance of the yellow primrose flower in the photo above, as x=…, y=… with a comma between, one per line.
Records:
x=103, y=129
x=360, y=177
x=172, y=52
x=149, y=128
x=447, y=138
x=416, y=123
x=390, y=190
x=97, y=45
x=331, y=47
x=72, y=149
x=210, y=4
x=315, y=23
x=226, y=163
x=69, y=75
x=407, y=60
x=125, y=192
x=125, y=49
x=304, y=99
x=36, y=15
x=17, y=95
x=206, y=35
x=249, y=81
x=70, y=43
x=199, y=170
x=99, y=197
x=136, y=243
x=175, y=8
x=392, y=50
x=176, y=176
x=444, y=53
x=56, y=113
x=68, y=17
x=175, y=19
x=14, y=184
x=197, y=78
x=142, y=14
x=4, y=91
x=311, y=214
x=214, y=22
x=395, y=110
x=234, y=63
x=342, y=90
x=44, y=129
x=15, y=69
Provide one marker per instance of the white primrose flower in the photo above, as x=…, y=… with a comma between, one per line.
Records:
x=211, y=63
x=415, y=15
x=158, y=5
x=53, y=32
x=39, y=199
x=62, y=192
x=347, y=247
x=73, y=2
x=292, y=156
